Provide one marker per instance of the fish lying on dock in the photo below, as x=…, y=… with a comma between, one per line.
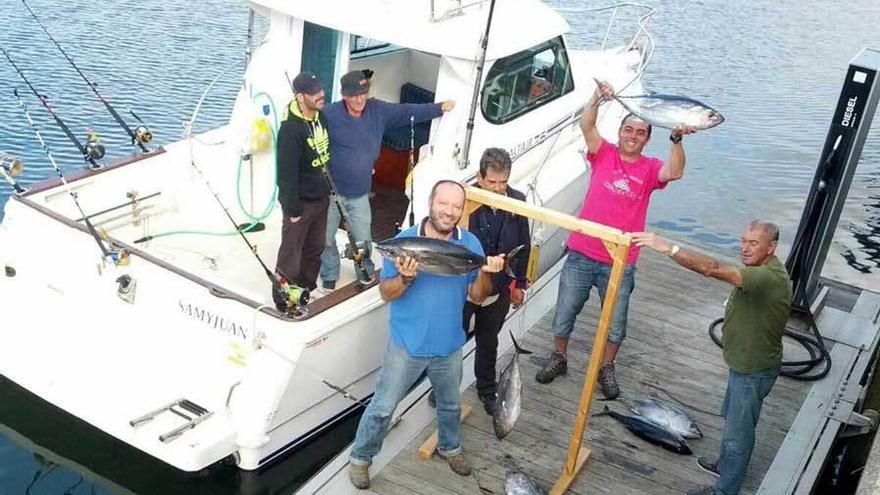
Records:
x=651, y=432
x=670, y=111
x=517, y=482
x=438, y=256
x=509, y=401
x=665, y=414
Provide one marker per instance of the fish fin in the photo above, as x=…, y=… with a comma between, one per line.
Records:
x=519, y=350
x=513, y=252
x=605, y=412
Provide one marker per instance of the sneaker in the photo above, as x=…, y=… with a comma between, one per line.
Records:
x=557, y=365
x=705, y=490
x=490, y=401
x=320, y=292
x=328, y=285
x=359, y=474
x=709, y=465
x=607, y=382
x=459, y=464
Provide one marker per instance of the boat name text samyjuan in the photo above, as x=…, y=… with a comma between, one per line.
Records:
x=213, y=320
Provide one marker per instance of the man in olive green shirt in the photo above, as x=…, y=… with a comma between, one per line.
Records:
x=754, y=321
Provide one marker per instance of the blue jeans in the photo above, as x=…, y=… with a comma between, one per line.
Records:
x=742, y=406
x=358, y=212
x=399, y=373
x=579, y=275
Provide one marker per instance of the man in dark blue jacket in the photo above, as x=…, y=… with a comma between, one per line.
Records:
x=499, y=232
x=358, y=123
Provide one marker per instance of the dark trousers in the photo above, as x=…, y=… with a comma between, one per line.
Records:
x=299, y=257
x=488, y=322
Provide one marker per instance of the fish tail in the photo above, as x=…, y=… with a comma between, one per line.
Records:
x=605, y=412
x=519, y=350
x=513, y=252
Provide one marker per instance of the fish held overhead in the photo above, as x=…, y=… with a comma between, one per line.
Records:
x=670, y=111
x=438, y=256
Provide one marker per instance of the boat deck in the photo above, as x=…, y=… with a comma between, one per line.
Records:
x=667, y=354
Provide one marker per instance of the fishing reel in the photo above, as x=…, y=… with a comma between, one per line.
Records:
x=294, y=297
x=355, y=252
x=94, y=148
x=142, y=135
x=11, y=166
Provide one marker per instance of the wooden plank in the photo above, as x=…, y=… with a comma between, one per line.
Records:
x=427, y=449
x=546, y=215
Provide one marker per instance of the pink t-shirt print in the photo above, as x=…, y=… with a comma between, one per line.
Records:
x=618, y=196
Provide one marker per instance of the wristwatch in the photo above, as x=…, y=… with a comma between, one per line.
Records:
x=675, y=249
x=675, y=139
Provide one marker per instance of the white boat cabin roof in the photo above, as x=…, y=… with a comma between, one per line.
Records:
x=516, y=24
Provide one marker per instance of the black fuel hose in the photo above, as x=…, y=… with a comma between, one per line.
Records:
x=799, y=370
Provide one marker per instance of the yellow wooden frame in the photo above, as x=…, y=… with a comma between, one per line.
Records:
x=618, y=244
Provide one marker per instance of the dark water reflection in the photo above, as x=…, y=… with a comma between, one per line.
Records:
x=774, y=69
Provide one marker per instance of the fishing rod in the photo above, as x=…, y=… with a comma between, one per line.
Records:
x=10, y=168
x=481, y=63
x=412, y=167
x=354, y=251
x=91, y=228
x=293, y=296
x=141, y=135
x=93, y=150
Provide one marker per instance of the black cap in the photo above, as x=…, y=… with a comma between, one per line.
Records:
x=355, y=83
x=307, y=83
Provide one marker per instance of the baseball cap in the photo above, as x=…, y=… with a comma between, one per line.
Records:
x=354, y=83
x=307, y=83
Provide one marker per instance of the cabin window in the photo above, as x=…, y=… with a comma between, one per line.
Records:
x=519, y=83
x=365, y=47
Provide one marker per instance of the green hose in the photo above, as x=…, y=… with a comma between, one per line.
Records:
x=271, y=205
x=254, y=220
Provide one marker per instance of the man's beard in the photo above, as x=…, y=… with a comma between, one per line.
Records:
x=435, y=223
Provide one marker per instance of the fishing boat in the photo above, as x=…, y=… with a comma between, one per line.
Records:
x=167, y=337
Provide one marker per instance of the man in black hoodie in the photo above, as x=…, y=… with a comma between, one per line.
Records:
x=303, y=148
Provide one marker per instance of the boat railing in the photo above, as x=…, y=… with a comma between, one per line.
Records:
x=454, y=11
x=641, y=40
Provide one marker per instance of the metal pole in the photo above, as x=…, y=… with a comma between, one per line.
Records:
x=250, y=37
x=463, y=159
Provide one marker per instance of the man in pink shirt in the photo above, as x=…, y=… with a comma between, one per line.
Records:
x=621, y=183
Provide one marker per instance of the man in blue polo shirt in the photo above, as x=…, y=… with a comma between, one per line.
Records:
x=426, y=335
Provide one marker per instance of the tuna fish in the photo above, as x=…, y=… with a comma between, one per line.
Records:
x=651, y=432
x=517, y=482
x=671, y=111
x=438, y=256
x=667, y=415
x=508, y=403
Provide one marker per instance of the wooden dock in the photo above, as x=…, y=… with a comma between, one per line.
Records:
x=667, y=352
